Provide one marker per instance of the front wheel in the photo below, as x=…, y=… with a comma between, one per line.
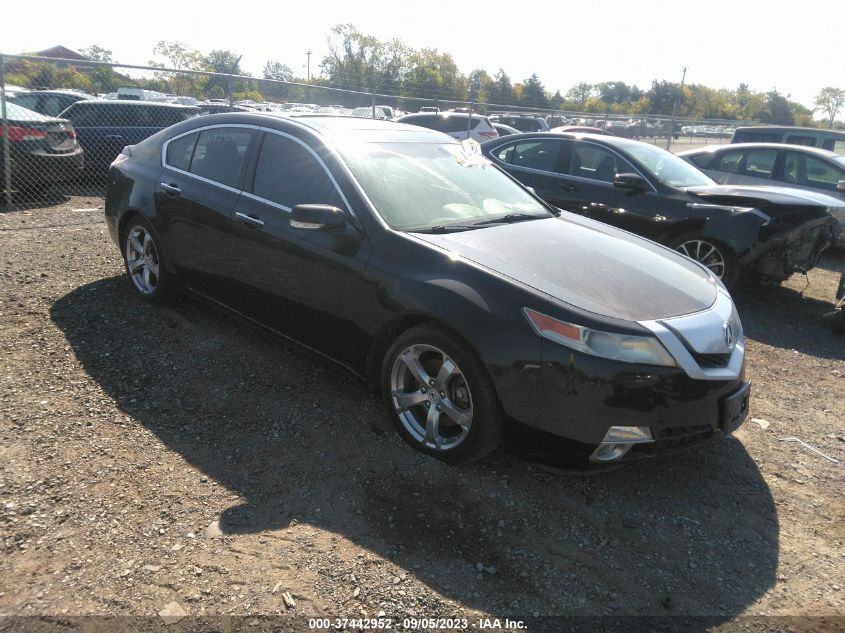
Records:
x=440, y=397
x=712, y=255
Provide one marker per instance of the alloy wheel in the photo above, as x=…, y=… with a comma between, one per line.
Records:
x=706, y=254
x=431, y=397
x=142, y=260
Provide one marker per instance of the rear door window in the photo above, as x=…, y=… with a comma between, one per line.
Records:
x=540, y=154
x=596, y=163
x=287, y=174
x=760, y=163
x=220, y=153
x=729, y=162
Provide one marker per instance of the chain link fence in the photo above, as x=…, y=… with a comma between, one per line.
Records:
x=65, y=120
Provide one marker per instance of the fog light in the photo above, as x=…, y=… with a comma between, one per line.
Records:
x=618, y=441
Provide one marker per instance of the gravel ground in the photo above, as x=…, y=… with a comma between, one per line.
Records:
x=157, y=455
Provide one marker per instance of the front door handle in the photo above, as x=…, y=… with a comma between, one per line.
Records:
x=569, y=188
x=248, y=219
x=172, y=190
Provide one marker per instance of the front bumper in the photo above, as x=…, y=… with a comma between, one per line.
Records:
x=579, y=397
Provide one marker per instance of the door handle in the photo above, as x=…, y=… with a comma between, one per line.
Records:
x=172, y=190
x=569, y=188
x=248, y=219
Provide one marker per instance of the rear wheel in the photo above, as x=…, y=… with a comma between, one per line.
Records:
x=711, y=254
x=440, y=396
x=144, y=261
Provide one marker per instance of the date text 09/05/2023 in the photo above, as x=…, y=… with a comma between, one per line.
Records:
x=410, y=624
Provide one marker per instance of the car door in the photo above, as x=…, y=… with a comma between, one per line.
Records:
x=756, y=166
x=813, y=173
x=199, y=186
x=303, y=283
x=587, y=171
x=533, y=162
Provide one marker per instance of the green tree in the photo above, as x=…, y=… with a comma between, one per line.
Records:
x=277, y=71
x=534, y=94
x=180, y=57
x=579, y=93
x=830, y=101
x=501, y=90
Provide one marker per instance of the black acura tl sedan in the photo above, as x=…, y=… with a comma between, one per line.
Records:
x=412, y=260
x=760, y=233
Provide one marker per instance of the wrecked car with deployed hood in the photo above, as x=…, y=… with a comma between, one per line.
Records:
x=760, y=234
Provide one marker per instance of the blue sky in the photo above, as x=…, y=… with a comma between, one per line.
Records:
x=795, y=47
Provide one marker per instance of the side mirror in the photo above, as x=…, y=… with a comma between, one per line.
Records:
x=316, y=217
x=840, y=186
x=631, y=182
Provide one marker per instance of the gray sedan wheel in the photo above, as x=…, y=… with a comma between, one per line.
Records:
x=440, y=395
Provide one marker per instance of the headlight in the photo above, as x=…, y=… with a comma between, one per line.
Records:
x=627, y=348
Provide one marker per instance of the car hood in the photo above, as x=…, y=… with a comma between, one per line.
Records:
x=589, y=265
x=758, y=196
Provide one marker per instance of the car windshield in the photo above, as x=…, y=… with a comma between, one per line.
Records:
x=417, y=186
x=666, y=167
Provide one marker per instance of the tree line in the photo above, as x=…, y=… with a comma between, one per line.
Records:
x=360, y=62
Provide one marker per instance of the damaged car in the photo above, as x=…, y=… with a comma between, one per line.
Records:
x=759, y=234
x=413, y=261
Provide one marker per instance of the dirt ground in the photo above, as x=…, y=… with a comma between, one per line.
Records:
x=157, y=455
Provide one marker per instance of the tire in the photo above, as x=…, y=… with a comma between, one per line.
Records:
x=469, y=420
x=144, y=261
x=710, y=253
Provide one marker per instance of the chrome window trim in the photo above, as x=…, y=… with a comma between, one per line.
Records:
x=197, y=130
x=316, y=157
x=674, y=332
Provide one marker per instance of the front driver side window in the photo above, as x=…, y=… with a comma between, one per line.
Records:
x=288, y=174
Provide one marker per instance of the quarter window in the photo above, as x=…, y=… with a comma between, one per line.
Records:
x=219, y=154
x=180, y=150
x=288, y=174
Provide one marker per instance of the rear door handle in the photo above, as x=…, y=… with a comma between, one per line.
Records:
x=171, y=189
x=248, y=219
x=569, y=188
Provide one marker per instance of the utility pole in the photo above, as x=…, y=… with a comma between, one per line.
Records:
x=675, y=110
x=308, y=57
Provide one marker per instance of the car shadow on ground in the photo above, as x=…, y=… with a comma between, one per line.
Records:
x=300, y=439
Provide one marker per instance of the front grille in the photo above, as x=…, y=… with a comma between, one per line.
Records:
x=711, y=361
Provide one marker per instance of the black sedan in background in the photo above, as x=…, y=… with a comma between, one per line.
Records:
x=409, y=258
x=41, y=148
x=762, y=233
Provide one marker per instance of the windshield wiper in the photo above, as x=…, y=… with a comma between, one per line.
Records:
x=510, y=218
x=444, y=228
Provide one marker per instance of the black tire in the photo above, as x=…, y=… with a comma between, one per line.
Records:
x=485, y=431
x=732, y=270
x=162, y=285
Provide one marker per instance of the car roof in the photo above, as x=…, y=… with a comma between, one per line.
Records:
x=443, y=115
x=337, y=127
x=791, y=128
x=57, y=91
x=735, y=146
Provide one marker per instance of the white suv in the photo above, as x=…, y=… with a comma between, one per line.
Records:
x=459, y=125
